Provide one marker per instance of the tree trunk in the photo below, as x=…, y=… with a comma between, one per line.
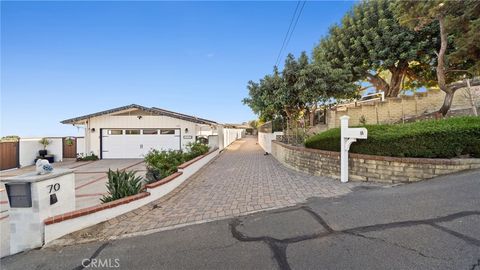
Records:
x=398, y=74
x=313, y=111
x=379, y=83
x=447, y=102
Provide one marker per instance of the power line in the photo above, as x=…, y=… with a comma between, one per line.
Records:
x=289, y=33
x=286, y=34
x=295, y=25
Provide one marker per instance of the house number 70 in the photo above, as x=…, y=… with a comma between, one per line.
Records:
x=55, y=187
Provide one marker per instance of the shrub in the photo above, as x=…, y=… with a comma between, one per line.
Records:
x=122, y=184
x=195, y=149
x=161, y=164
x=446, y=138
x=90, y=157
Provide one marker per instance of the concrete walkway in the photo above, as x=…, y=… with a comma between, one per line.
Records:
x=240, y=181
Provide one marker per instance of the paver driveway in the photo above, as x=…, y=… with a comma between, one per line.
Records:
x=240, y=181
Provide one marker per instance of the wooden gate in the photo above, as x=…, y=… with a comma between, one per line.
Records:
x=9, y=152
x=69, y=147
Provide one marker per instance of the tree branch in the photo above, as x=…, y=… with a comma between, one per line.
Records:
x=379, y=83
x=457, y=85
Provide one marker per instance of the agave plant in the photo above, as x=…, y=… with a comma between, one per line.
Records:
x=122, y=184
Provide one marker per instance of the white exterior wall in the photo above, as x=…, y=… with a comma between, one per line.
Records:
x=205, y=130
x=81, y=145
x=92, y=140
x=213, y=141
x=29, y=150
x=232, y=134
x=265, y=140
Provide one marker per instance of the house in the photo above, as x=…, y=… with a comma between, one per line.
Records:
x=131, y=131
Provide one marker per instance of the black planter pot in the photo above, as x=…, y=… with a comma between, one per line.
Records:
x=42, y=153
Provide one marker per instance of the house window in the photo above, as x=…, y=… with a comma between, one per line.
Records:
x=115, y=132
x=150, y=132
x=132, y=132
x=167, y=131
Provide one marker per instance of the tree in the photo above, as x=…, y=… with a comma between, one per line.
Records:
x=370, y=41
x=263, y=97
x=10, y=138
x=298, y=89
x=289, y=94
x=253, y=124
x=459, y=52
x=321, y=83
x=276, y=95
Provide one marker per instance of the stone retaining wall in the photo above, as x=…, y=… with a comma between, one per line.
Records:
x=368, y=167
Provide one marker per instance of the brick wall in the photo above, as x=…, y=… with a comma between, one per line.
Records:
x=368, y=167
x=393, y=110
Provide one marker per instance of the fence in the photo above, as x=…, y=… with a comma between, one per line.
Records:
x=265, y=140
x=24, y=152
x=8, y=155
x=29, y=150
x=232, y=134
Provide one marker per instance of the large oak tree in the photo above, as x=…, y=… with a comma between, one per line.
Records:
x=370, y=41
x=458, y=55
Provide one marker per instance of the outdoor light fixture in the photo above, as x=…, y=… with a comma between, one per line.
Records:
x=186, y=130
x=92, y=130
x=139, y=117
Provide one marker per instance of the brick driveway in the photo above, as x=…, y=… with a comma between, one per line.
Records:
x=241, y=180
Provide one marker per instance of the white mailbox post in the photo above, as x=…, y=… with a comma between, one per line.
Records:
x=32, y=199
x=348, y=136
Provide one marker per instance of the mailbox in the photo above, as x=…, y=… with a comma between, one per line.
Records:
x=357, y=133
x=19, y=195
x=348, y=136
x=33, y=198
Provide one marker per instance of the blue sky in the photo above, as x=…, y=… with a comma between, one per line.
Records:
x=65, y=59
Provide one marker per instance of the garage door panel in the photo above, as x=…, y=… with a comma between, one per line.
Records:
x=137, y=145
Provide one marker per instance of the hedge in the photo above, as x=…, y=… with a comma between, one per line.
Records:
x=446, y=138
x=161, y=164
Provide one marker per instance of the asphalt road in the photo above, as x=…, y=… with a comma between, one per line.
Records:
x=429, y=225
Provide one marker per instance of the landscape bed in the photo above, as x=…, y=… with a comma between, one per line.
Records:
x=446, y=138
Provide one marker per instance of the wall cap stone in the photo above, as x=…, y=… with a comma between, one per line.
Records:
x=96, y=208
x=433, y=161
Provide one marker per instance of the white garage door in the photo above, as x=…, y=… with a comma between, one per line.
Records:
x=135, y=143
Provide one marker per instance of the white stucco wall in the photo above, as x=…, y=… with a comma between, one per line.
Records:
x=232, y=134
x=213, y=141
x=265, y=140
x=80, y=145
x=29, y=150
x=205, y=130
x=92, y=139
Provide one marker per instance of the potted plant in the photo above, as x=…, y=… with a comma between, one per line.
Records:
x=45, y=142
x=69, y=141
